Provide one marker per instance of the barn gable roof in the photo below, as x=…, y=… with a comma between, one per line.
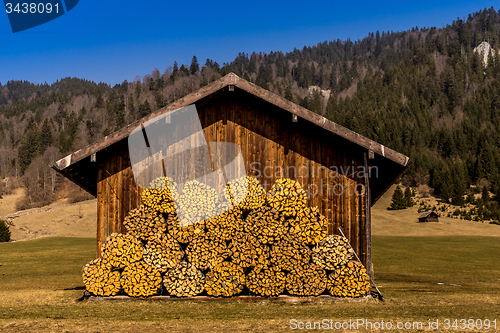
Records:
x=426, y=214
x=77, y=166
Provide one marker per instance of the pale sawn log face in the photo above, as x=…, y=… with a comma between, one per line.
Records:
x=332, y=252
x=184, y=280
x=350, y=280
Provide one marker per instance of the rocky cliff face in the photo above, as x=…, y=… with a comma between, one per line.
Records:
x=484, y=50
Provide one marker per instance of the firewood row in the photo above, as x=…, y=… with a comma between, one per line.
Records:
x=121, y=250
x=246, y=251
x=100, y=279
x=140, y=279
x=287, y=196
x=267, y=224
x=144, y=223
x=266, y=280
x=290, y=252
x=332, y=251
x=306, y=280
x=227, y=223
x=255, y=240
x=183, y=228
x=184, y=280
x=163, y=252
x=198, y=200
x=350, y=280
x=161, y=195
x=246, y=193
x=310, y=225
x=226, y=279
x=206, y=251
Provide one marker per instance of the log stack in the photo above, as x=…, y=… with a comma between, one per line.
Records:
x=226, y=279
x=140, y=279
x=163, y=252
x=331, y=252
x=246, y=193
x=145, y=223
x=266, y=224
x=266, y=280
x=310, y=225
x=227, y=223
x=184, y=280
x=121, y=250
x=290, y=252
x=306, y=280
x=198, y=200
x=206, y=251
x=101, y=279
x=246, y=251
x=184, y=228
x=161, y=195
x=263, y=243
x=350, y=280
x=287, y=196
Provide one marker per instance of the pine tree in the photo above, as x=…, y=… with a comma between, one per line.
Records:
x=184, y=70
x=29, y=145
x=46, y=138
x=4, y=232
x=485, y=195
x=194, y=65
x=175, y=72
x=138, y=90
x=99, y=103
x=398, y=199
x=409, y=198
x=144, y=109
x=289, y=93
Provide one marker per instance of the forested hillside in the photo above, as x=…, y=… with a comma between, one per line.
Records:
x=423, y=92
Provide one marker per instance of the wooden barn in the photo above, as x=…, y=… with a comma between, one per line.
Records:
x=429, y=216
x=328, y=160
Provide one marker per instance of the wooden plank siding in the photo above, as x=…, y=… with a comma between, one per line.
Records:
x=272, y=147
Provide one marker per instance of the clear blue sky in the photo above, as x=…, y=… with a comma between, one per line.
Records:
x=113, y=41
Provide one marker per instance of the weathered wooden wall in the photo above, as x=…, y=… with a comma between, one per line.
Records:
x=272, y=146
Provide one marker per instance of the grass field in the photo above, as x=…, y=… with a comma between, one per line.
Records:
x=421, y=278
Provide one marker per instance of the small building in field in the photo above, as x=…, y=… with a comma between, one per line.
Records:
x=429, y=216
x=277, y=139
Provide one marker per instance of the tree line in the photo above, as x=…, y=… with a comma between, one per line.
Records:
x=423, y=92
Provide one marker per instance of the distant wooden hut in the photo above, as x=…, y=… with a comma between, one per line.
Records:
x=429, y=216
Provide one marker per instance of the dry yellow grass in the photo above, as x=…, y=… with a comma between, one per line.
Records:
x=404, y=222
x=59, y=219
x=421, y=278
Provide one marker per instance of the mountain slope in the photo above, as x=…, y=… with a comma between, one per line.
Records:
x=423, y=92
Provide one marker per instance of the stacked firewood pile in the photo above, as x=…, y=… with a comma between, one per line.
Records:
x=264, y=244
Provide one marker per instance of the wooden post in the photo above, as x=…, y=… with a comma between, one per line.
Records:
x=369, y=265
